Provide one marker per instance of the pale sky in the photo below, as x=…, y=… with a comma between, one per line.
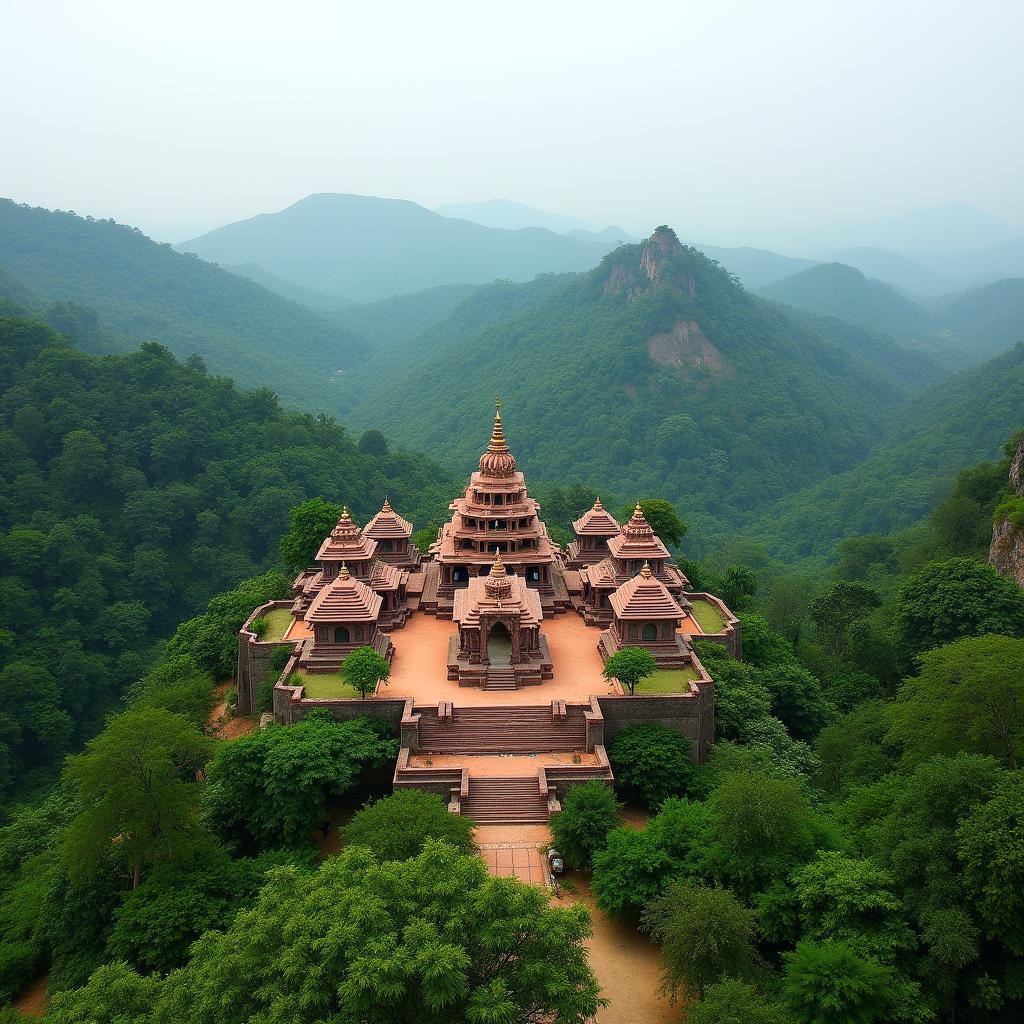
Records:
x=728, y=119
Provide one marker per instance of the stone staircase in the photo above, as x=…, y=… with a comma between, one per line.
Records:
x=500, y=677
x=506, y=800
x=502, y=729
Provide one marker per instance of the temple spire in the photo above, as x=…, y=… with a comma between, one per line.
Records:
x=497, y=461
x=343, y=573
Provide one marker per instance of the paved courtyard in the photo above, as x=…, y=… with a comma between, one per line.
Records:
x=420, y=668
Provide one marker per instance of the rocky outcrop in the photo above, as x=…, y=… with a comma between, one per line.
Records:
x=686, y=348
x=1007, y=550
x=656, y=259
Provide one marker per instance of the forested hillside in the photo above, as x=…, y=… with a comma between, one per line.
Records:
x=992, y=318
x=368, y=248
x=144, y=291
x=133, y=489
x=834, y=289
x=653, y=374
x=940, y=430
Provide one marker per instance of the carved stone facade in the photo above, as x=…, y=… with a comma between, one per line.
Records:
x=499, y=644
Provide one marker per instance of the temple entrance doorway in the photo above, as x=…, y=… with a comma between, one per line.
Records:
x=499, y=645
x=460, y=574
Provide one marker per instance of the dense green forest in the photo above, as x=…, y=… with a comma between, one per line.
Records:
x=143, y=291
x=134, y=488
x=670, y=379
x=938, y=431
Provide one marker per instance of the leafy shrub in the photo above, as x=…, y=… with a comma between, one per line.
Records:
x=651, y=763
x=398, y=826
x=589, y=812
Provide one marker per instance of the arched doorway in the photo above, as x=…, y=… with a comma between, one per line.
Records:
x=341, y=634
x=499, y=645
x=650, y=631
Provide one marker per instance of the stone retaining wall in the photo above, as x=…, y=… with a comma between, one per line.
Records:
x=254, y=656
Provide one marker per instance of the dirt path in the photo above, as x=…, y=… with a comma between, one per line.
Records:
x=221, y=726
x=627, y=966
x=34, y=1001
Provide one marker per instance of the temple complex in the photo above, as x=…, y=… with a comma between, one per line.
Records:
x=487, y=661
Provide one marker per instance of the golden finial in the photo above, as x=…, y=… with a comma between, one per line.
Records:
x=638, y=509
x=344, y=512
x=597, y=502
x=343, y=573
x=386, y=507
x=646, y=571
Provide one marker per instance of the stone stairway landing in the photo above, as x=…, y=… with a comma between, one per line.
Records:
x=505, y=800
x=502, y=729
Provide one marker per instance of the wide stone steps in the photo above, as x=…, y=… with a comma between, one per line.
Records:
x=507, y=800
x=501, y=730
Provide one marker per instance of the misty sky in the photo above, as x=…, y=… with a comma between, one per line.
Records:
x=736, y=122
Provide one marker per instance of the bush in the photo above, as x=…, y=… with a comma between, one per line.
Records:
x=589, y=812
x=651, y=763
x=260, y=626
x=396, y=827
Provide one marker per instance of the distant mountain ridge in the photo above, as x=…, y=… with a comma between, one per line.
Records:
x=369, y=248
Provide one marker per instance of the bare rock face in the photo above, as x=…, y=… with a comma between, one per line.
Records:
x=655, y=268
x=1007, y=550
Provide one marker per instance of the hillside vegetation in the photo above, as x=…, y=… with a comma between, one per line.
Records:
x=132, y=489
x=144, y=291
x=950, y=425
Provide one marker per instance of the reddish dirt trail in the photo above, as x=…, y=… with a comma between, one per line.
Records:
x=34, y=1001
x=627, y=966
x=224, y=728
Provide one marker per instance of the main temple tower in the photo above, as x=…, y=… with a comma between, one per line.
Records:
x=495, y=515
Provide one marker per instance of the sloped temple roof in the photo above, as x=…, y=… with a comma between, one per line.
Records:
x=346, y=543
x=637, y=539
x=345, y=599
x=596, y=522
x=387, y=524
x=645, y=597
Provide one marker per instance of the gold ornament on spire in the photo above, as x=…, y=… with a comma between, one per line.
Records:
x=497, y=461
x=646, y=571
x=343, y=573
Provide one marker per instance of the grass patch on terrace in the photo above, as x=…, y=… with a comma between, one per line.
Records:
x=322, y=685
x=278, y=620
x=668, y=680
x=708, y=617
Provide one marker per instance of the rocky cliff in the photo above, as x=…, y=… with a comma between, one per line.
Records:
x=1007, y=550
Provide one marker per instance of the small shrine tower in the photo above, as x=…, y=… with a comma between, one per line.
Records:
x=393, y=535
x=591, y=532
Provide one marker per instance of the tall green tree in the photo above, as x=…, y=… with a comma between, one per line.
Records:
x=136, y=781
x=969, y=696
x=961, y=597
x=364, y=668
x=661, y=516
x=705, y=935
x=398, y=826
x=837, y=612
x=311, y=522
x=580, y=829
x=420, y=941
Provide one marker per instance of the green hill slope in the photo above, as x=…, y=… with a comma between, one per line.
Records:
x=653, y=374
x=911, y=367
x=951, y=425
x=143, y=290
x=400, y=318
x=834, y=289
x=987, y=320
x=370, y=248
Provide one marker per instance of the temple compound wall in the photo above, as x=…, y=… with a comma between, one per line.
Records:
x=693, y=715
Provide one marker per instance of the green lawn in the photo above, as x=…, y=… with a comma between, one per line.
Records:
x=278, y=622
x=667, y=680
x=320, y=685
x=708, y=617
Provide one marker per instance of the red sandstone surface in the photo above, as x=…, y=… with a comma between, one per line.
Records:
x=420, y=669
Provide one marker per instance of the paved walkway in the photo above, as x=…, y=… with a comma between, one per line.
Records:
x=490, y=765
x=420, y=668
x=514, y=850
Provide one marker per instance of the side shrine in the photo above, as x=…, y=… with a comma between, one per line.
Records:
x=486, y=657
